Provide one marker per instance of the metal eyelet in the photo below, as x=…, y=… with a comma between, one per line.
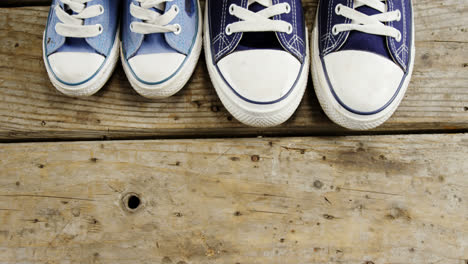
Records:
x=228, y=30
x=338, y=9
x=231, y=9
x=176, y=8
x=287, y=7
x=335, y=30
x=178, y=29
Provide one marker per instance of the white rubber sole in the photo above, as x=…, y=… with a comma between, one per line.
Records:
x=176, y=82
x=250, y=114
x=332, y=107
x=93, y=85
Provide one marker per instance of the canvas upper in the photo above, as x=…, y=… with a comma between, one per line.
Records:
x=365, y=71
x=74, y=60
x=259, y=66
x=156, y=57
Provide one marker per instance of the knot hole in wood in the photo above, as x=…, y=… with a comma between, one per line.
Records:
x=132, y=202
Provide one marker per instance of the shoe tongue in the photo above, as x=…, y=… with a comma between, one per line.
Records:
x=258, y=40
x=161, y=7
x=68, y=10
x=358, y=40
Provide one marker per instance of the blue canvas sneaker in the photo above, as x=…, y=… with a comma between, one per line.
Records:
x=363, y=58
x=258, y=57
x=161, y=44
x=81, y=44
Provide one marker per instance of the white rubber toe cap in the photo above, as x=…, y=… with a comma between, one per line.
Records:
x=153, y=68
x=75, y=67
x=260, y=75
x=363, y=81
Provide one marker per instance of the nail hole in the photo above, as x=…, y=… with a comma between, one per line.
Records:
x=131, y=202
x=214, y=108
x=255, y=158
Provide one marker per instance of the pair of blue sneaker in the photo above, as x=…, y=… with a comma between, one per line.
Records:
x=362, y=53
x=159, y=42
x=257, y=53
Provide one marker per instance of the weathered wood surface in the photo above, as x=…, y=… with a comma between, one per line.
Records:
x=30, y=108
x=302, y=200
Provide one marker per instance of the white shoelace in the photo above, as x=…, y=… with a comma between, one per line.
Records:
x=259, y=21
x=152, y=21
x=73, y=25
x=369, y=24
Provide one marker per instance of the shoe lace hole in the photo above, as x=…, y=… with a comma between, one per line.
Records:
x=231, y=9
x=290, y=29
x=398, y=38
x=178, y=29
x=338, y=9
x=176, y=8
x=335, y=30
x=228, y=30
x=398, y=15
x=287, y=8
x=101, y=9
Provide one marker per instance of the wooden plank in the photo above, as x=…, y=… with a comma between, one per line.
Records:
x=30, y=108
x=379, y=199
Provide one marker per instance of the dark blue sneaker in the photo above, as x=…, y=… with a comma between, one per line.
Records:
x=161, y=44
x=257, y=57
x=363, y=58
x=81, y=44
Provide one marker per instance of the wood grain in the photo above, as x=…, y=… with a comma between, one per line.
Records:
x=30, y=108
x=290, y=200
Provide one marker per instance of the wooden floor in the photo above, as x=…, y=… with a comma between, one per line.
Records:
x=116, y=178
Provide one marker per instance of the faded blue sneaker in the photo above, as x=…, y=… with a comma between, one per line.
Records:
x=258, y=57
x=161, y=44
x=363, y=58
x=81, y=44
